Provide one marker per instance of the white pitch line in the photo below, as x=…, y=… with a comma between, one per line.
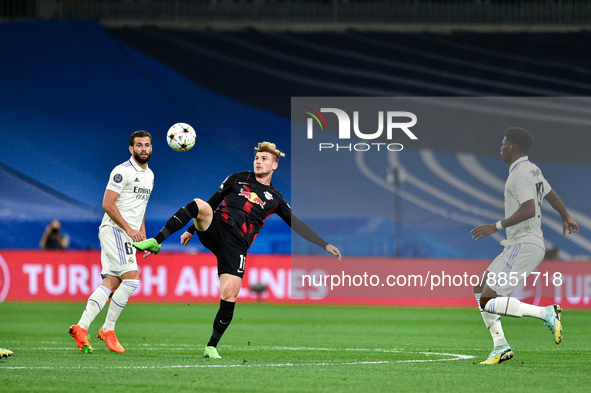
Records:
x=442, y=357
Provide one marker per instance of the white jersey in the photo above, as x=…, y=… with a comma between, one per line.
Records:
x=525, y=182
x=134, y=186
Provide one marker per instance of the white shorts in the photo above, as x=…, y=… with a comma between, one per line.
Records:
x=513, y=265
x=117, y=252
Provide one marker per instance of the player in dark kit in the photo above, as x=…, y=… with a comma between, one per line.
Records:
x=227, y=225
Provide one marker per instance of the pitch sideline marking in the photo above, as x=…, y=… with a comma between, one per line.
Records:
x=445, y=357
x=180, y=347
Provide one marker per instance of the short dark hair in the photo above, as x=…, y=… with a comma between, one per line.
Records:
x=139, y=134
x=519, y=137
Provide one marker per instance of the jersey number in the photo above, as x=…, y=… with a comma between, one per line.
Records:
x=242, y=263
x=540, y=194
x=128, y=248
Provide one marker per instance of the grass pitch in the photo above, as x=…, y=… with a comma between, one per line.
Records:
x=280, y=348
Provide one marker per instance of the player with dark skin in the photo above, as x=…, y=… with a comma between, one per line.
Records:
x=524, y=249
x=510, y=153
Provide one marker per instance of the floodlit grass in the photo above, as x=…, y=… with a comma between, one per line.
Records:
x=281, y=348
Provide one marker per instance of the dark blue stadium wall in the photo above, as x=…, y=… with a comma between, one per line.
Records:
x=71, y=96
x=264, y=69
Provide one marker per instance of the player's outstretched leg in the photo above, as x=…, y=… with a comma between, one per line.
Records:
x=4, y=353
x=515, y=308
x=175, y=223
x=499, y=354
x=552, y=320
x=148, y=245
x=178, y=221
x=80, y=335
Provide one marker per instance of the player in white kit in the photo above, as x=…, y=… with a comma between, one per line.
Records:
x=525, y=191
x=125, y=200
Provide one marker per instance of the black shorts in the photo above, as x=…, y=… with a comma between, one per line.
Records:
x=227, y=245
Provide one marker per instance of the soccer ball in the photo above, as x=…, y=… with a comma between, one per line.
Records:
x=181, y=137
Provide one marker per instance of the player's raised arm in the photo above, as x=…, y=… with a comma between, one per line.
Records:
x=334, y=251
x=306, y=232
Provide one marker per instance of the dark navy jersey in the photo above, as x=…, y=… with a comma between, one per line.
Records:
x=244, y=203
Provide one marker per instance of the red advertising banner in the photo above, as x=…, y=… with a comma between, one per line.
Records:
x=184, y=277
x=166, y=277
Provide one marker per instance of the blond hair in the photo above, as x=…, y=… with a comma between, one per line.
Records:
x=270, y=148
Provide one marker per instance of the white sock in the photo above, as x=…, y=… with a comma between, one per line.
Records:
x=493, y=324
x=96, y=302
x=118, y=302
x=514, y=308
x=529, y=310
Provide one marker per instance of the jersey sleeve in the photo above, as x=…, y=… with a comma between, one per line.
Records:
x=117, y=180
x=299, y=226
x=221, y=192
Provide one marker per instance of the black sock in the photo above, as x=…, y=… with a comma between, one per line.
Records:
x=221, y=322
x=178, y=221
